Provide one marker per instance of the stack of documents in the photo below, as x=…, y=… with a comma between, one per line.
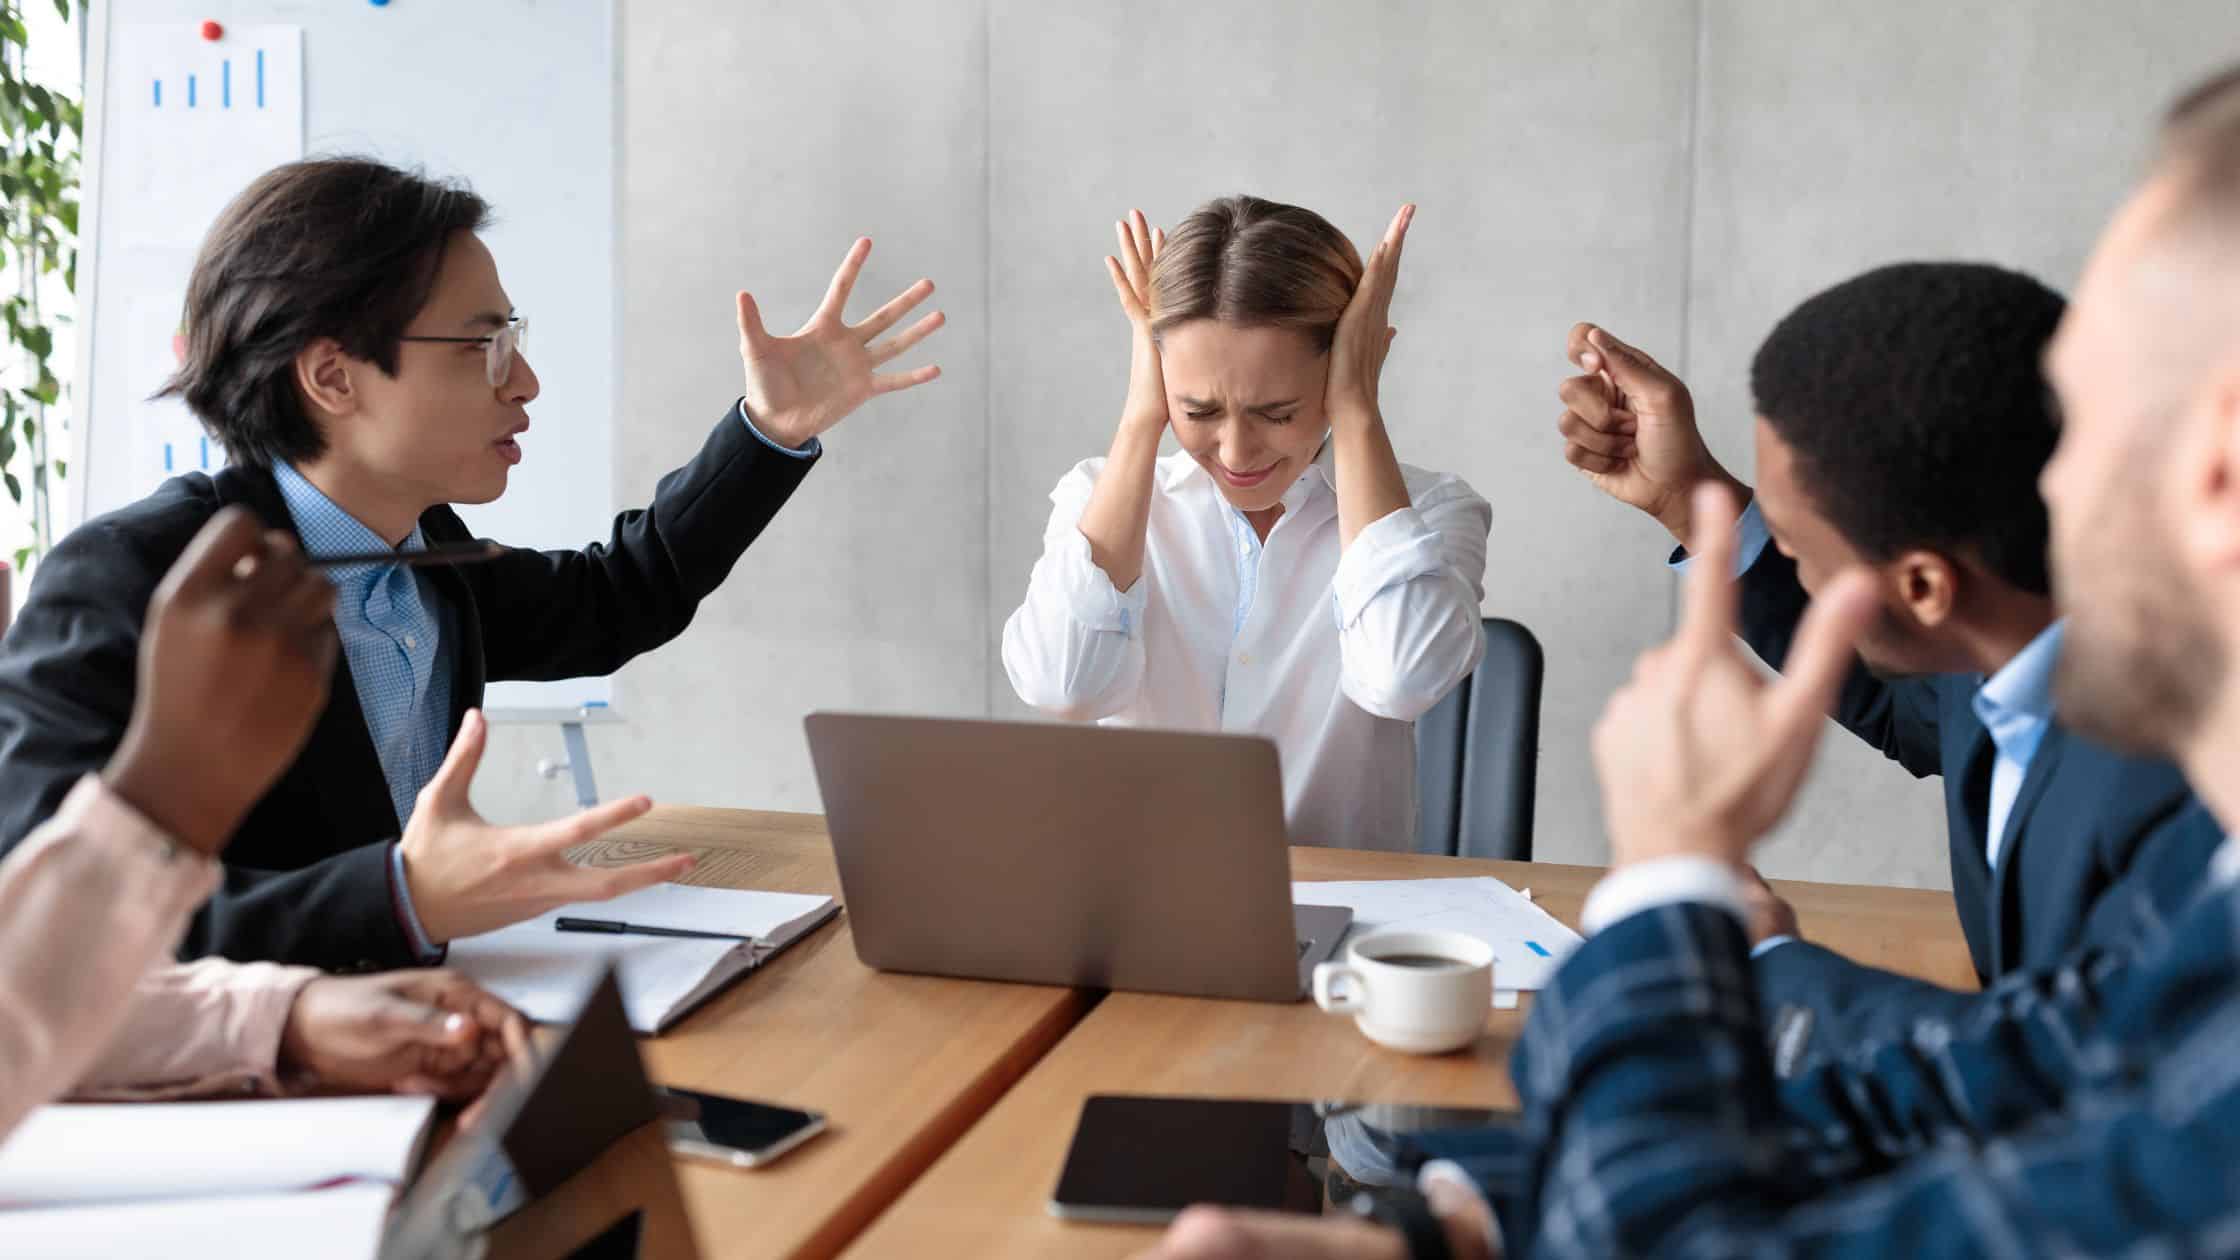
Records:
x=308, y=1177
x=542, y=970
x=1528, y=943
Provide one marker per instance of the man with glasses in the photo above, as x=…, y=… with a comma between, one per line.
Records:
x=349, y=342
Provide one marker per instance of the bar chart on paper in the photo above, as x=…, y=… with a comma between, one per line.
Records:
x=209, y=116
x=194, y=121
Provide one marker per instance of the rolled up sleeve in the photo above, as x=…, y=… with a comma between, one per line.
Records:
x=199, y=1028
x=1074, y=647
x=87, y=904
x=1406, y=597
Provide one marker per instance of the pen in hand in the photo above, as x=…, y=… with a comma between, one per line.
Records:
x=441, y=553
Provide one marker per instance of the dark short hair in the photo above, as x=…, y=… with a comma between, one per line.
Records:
x=347, y=248
x=1913, y=401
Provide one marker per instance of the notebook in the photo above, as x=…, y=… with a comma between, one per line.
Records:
x=78, y=1153
x=342, y=1223
x=543, y=971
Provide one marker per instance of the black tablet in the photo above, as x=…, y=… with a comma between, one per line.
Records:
x=1141, y=1160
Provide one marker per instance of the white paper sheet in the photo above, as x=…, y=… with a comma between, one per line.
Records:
x=543, y=971
x=342, y=1223
x=111, y=1152
x=1528, y=942
x=194, y=121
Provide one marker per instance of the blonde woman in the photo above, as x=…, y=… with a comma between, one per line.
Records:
x=1283, y=573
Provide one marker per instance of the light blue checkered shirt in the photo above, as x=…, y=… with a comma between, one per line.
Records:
x=395, y=637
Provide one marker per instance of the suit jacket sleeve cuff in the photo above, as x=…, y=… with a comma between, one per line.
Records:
x=1751, y=535
x=809, y=450
x=1769, y=944
x=428, y=952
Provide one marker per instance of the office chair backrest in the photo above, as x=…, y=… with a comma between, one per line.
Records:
x=1478, y=753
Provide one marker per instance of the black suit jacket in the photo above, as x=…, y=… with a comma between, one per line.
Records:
x=307, y=876
x=2094, y=839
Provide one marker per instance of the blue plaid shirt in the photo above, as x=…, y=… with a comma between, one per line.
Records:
x=2089, y=1110
x=396, y=636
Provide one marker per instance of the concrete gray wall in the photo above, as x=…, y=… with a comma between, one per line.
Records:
x=1684, y=172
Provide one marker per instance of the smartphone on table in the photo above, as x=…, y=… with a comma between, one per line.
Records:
x=734, y=1131
x=1139, y=1160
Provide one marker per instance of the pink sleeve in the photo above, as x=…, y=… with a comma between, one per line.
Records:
x=199, y=1028
x=87, y=903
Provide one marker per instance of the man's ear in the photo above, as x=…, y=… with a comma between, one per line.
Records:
x=324, y=379
x=2206, y=473
x=1927, y=585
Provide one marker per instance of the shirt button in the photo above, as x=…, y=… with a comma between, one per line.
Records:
x=411, y=642
x=1244, y=658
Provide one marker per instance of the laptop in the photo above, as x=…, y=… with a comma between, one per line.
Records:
x=1094, y=856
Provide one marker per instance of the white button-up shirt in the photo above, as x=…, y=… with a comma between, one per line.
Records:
x=1331, y=656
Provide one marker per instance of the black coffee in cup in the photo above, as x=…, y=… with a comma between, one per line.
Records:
x=1421, y=962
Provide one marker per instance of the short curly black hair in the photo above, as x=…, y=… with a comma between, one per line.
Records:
x=1913, y=401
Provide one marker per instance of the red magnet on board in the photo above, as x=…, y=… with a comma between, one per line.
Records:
x=211, y=31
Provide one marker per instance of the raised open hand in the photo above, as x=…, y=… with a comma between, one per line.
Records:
x=1365, y=331
x=469, y=876
x=1140, y=245
x=802, y=385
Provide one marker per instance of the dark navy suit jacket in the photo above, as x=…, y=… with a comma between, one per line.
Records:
x=307, y=874
x=2097, y=844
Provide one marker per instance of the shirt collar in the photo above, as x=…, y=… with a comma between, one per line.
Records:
x=326, y=529
x=2023, y=688
x=2224, y=864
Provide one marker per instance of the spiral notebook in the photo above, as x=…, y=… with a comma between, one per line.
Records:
x=542, y=970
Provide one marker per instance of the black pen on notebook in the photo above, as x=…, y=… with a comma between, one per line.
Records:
x=616, y=927
x=441, y=553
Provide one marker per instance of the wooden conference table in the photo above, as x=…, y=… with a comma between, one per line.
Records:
x=951, y=1101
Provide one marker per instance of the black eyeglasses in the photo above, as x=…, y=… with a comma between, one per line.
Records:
x=500, y=347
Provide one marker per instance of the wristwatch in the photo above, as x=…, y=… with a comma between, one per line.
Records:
x=1410, y=1213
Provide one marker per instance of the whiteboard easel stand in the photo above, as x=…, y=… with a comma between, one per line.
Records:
x=572, y=740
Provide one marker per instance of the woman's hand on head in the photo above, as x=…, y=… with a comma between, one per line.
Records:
x=1140, y=245
x=1365, y=331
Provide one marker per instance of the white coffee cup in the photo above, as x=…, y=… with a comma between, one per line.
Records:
x=1422, y=992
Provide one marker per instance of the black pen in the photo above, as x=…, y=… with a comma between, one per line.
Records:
x=615, y=927
x=441, y=553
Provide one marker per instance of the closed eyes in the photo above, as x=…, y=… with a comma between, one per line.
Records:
x=1214, y=413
